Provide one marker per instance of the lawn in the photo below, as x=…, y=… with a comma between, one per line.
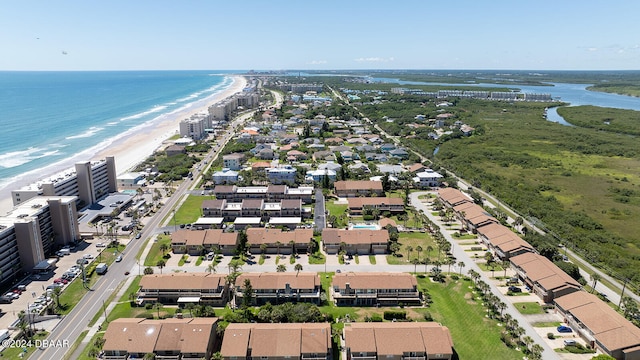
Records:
x=16, y=352
x=336, y=209
x=155, y=254
x=413, y=239
x=474, y=335
x=190, y=210
x=529, y=308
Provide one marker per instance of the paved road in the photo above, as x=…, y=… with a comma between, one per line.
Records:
x=319, y=216
x=461, y=255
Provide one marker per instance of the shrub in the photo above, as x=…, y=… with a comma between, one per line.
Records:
x=376, y=318
x=455, y=277
x=148, y=306
x=395, y=314
x=428, y=317
x=550, y=336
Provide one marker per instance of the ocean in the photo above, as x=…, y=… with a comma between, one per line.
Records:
x=49, y=117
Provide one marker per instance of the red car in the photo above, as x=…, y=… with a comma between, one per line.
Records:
x=57, y=281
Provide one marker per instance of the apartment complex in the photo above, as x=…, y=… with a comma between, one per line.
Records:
x=197, y=242
x=293, y=341
x=33, y=231
x=357, y=205
x=355, y=188
x=545, y=279
x=269, y=193
x=88, y=181
x=375, y=289
x=397, y=341
x=254, y=208
x=276, y=288
x=195, y=127
x=355, y=241
x=184, y=339
x=276, y=241
x=183, y=288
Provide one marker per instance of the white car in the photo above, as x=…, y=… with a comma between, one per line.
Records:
x=87, y=256
x=101, y=245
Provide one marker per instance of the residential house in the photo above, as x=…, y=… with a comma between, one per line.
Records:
x=349, y=156
x=277, y=341
x=360, y=166
x=282, y=174
x=135, y=338
x=318, y=175
x=355, y=241
x=357, y=141
x=387, y=147
x=172, y=150
x=390, y=169
x=278, y=241
x=546, y=279
x=183, y=288
x=225, y=176
x=323, y=156
x=427, y=179
x=366, y=149
x=296, y=155
x=276, y=288
x=233, y=161
x=416, y=168
x=600, y=325
x=382, y=204
x=266, y=154
x=260, y=166
x=354, y=188
x=330, y=165
x=399, y=154
x=397, y=340
x=375, y=289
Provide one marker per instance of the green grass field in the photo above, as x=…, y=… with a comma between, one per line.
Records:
x=529, y=308
x=414, y=240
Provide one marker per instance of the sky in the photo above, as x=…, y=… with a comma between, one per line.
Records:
x=319, y=35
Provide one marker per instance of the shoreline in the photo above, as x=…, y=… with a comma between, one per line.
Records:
x=130, y=148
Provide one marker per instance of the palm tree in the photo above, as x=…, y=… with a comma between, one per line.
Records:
x=461, y=264
x=415, y=263
x=161, y=263
x=527, y=340
x=536, y=352
x=418, y=250
x=297, y=268
x=278, y=244
x=164, y=247
x=263, y=248
x=293, y=247
x=595, y=277
x=281, y=268
x=212, y=267
x=56, y=294
x=501, y=306
x=505, y=264
x=409, y=250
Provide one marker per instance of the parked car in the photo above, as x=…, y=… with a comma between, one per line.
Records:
x=87, y=256
x=5, y=300
x=514, y=289
x=119, y=258
x=564, y=329
x=101, y=245
x=569, y=342
x=138, y=236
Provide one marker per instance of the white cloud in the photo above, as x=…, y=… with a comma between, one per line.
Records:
x=317, y=62
x=373, y=59
x=592, y=49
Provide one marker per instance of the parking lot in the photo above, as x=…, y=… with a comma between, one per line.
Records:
x=30, y=294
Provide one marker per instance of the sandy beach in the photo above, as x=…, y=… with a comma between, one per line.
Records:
x=130, y=149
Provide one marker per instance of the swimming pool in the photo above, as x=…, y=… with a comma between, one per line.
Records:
x=365, y=226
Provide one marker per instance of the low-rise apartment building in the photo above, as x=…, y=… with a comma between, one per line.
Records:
x=355, y=241
x=198, y=242
x=358, y=204
x=273, y=193
x=184, y=339
x=375, y=289
x=600, y=325
x=546, y=279
x=355, y=188
x=291, y=341
x=276, y=241
x=502, y=241
x=276, y=288
x=254, y=208
x=183, y=288
x=398, y=341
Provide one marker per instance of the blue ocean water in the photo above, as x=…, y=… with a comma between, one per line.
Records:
x=47, y=117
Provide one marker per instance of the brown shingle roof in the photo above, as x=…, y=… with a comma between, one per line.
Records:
x=188, y=237
x=257, y=236
x=353, y=237
x=280, y=280
x=195, y=281
x=358, y=185
x=148, y=336
x=398, y=338
x=372, y=280
x=608, y=326
x=219, y=237
x=278, y=339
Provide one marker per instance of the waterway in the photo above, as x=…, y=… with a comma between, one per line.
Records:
x=573, y=94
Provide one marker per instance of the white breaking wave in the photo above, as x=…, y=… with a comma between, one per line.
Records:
x=17, y=158
x=89, y=133
x=155, y=109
